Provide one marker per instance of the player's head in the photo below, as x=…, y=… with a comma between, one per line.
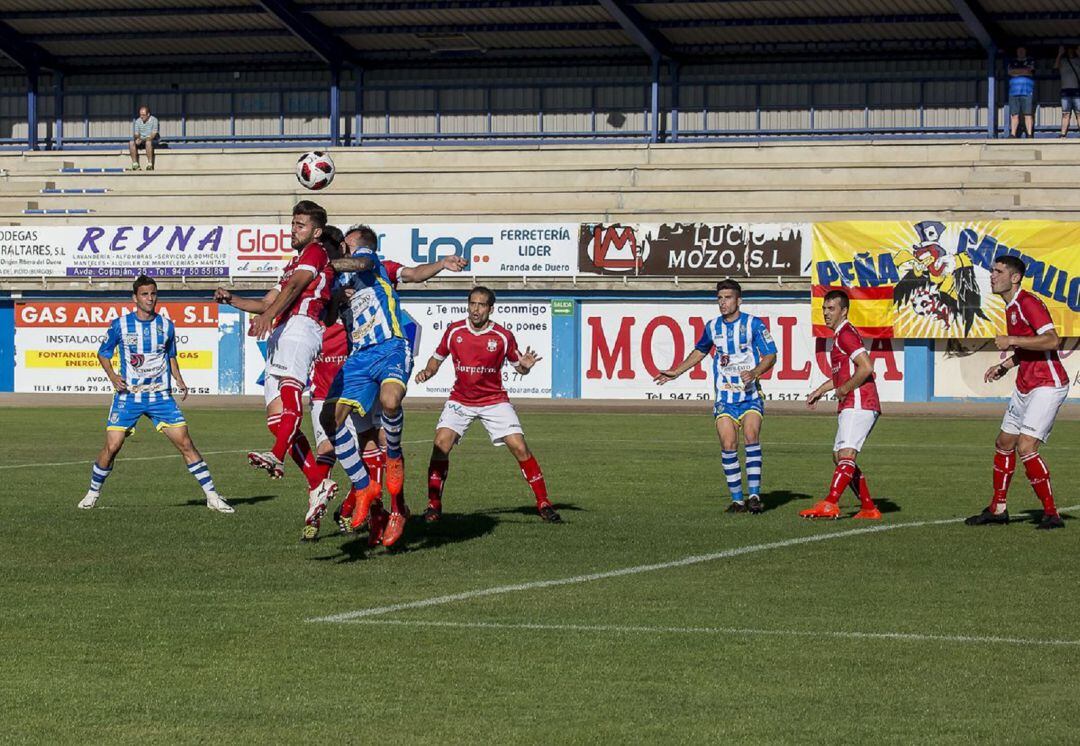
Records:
x=144, y=293
x=308, y=221
x=728, y=295
x=144, y=112
x=333, y=241
x=1006, y=273
x=361, y=236
x=835, y=308
x=481, y=304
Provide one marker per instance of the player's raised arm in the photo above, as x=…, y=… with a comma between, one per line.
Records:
x=526, y=361
x=429, y=370
x=424, y=272
x=264, y=322
x=353, y=264
x=250, y=305
x=695, y=357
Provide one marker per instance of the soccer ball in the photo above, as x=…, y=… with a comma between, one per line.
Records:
x=315, y=170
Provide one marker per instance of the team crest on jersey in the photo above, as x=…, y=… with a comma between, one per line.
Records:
x=457, y=339
x=1013, y=317
x=131, y=339
x=492, y=345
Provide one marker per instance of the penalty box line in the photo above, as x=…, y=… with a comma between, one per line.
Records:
x=733, y=631
x=625, y=571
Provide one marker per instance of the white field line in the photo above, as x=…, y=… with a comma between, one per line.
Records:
x=742, y=631
x=147, y=458
x=622, y=572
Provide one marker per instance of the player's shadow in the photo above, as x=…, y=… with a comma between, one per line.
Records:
x=234, y=501
x=1035, y=515
x=452, y=529
x=885, y=505
x=530, y=510
x=780, y=498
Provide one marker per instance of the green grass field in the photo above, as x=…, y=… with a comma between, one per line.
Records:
x=151, y=619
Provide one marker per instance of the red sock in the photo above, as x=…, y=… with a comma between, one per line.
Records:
x=531, y=471
x=1039, y=476
x=272, y=422
x=436, y=481
x=325, y=464
x=301, y=453
x=375, y=461
x=845, y=470
x=1004, y=466
x=291, y=415
x=861, y=488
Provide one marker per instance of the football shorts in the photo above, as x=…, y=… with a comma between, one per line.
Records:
x=125, y=413
x=290, y=351
x=738, y=410
x=500, y=420
x=355, y=422
x=853, y=427
x=367, y=369
x=1034, y=413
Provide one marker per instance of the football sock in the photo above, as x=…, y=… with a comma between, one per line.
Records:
x=842, y=475
x=531, y=471
x=375, y=461
x=753, y=468
x=392, y=426
x=861, y=487
x=1039, y=476
x=436, y=481
x=345, y=447
x=98, y=475
x=304, y=457
x=201, y=472
x=291, y=414
x=1004, y=466
x=733, y=474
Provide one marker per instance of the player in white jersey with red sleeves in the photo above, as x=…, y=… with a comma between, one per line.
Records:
x=1042, y=385
x=291, y=313
x=479, y=348
x=858, y=409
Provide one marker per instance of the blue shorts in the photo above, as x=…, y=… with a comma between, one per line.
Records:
x=125, y=413
x=1021, y=104
x=357, y=383
x=738, y=410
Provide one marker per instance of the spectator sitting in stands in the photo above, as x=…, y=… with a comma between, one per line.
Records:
x=1021, y=92
x=1068, y=65
x=144, y=130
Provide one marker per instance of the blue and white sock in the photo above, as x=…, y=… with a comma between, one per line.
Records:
x=349, y=457
x=753, y=468
x=98, y=477
x=733, y=474
x=393, y=426
x=201, y=472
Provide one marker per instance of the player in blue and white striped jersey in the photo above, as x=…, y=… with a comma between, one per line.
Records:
x=148, y=367
x=744, y=351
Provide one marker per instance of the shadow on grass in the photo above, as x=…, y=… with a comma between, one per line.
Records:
x=780, y=498
x=1035, y=515
x=530, y=510
x=885, y=505
x=234, y=501
x=452, y=529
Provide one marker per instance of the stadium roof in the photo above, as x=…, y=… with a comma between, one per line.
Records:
x=96, y=35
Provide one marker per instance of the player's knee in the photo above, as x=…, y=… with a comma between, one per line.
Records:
x=519, y=448
x=1026, y=446
x=1005, y=442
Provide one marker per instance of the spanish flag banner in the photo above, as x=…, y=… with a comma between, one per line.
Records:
x=931, y=279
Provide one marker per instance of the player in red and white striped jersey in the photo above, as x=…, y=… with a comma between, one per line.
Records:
x=291, y=313
x=479, y=348
x=858, y=409
x=1042, y=385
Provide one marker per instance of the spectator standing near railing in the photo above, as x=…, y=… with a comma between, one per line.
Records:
x=1068, y=66
x=1021, y=92
x=144, y=131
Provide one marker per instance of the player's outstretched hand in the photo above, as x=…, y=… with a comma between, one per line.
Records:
x=994, y=372
x=454, y=263
x=422, y=376
x=183, y=392
x=664, y=376
x=529, y=358
x=221, y=295
x=1003, y=342
x=260, y=326
x=813, y=398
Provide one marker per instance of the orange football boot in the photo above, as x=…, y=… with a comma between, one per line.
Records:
x=395, y=527
x=377, y=525
x=869, y=514
x=395, y=475
x=364, y=499
x=823, y=509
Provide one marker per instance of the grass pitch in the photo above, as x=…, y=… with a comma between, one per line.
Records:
x=151, y=619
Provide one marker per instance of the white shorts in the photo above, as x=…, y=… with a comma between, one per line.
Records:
x=853, y=427
x=356, y=423
x=290, y=351
x=499, y=420
x=1033, y=413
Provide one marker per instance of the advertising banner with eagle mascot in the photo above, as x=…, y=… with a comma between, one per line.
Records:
x=931, y=279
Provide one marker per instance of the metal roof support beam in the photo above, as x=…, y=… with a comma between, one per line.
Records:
x=23, y=53
x=978, y=23
x=31, y=108
x=58, y=111
x=673, y=71
x=991, y=92
x=654, y=102
x=319, y=39
x=335, y=106
x=638, y=29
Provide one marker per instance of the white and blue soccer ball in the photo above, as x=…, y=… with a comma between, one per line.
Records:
x=315, y=170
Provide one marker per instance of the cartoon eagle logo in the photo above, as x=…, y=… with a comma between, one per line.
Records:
x=937, y=283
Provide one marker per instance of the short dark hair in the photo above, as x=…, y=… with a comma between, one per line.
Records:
x=331, y=239
x=140, y=282
x=839, y=295
x=313, y=210
x=729, y=285
x=486, y=291
x=1015, y=263
x=368, y=237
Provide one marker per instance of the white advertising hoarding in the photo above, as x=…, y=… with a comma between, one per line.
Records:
x=959, y=367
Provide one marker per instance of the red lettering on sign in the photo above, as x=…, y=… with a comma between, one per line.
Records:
x=610, y=355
